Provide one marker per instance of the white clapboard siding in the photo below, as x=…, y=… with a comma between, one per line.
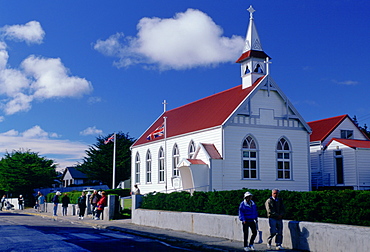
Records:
x=213, y=136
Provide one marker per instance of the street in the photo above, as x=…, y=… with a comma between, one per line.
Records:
x=21, y=232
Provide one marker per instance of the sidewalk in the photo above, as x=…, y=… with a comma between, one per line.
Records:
x=182, y=239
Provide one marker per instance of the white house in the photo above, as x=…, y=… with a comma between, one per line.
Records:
x=71, y=176
x=340, y=154
x=248, y=136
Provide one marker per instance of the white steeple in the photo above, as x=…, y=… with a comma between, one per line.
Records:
x=253, y=59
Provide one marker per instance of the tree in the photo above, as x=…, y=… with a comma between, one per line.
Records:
x=98, y=164
x=21, y=172
x=364, y=129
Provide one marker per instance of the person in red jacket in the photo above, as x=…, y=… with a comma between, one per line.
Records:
x=101, y=204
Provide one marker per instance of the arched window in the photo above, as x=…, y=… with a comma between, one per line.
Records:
x=250, y=158
x=148, y=167
x=247, y=71
x=175, y=161
x=161, y=166
x=258, y=69
x=283, y=151
x=137, y=169
x=191, y=149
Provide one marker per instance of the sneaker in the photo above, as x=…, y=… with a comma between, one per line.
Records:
x=268, y=246
x=246, y=248
x=279, y=247
x=96, y=218
x=251, y=247
x=79, y=218
x=82, y=218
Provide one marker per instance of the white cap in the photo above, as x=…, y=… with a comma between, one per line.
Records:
x=247, y=194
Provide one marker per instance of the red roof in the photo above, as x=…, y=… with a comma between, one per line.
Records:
x=321, y=129
x=352, y=142
x=196, y=161
x=202, y=114
x=252, y=53
x=212, y=151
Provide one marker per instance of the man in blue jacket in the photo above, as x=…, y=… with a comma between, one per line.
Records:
x=248, y=215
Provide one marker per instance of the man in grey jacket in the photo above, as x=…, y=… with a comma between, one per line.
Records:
x=275, y=212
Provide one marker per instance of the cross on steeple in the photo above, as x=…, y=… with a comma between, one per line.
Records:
x=164, y=106
x=251, y=10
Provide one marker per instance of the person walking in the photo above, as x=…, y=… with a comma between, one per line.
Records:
x=248, y=215
x=81, y=202
x=136, y=190
x=101, y=204
x=41, y=202
x=55, y=200
x=20, y=202
x=65, y=202
x=95, y=197
x=275, y=211
x=3, y=201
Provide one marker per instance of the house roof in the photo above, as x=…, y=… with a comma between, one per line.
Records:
x=202, y=114
x=196, y=161
x=76, y=174
x=212, y=151
x=321, y=129
x=252, y=53
x=352, y=143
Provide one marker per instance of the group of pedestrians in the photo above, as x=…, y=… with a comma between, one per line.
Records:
x=248, y=215
x=98, y=201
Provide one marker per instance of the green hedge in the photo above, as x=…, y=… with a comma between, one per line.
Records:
x=341, y=207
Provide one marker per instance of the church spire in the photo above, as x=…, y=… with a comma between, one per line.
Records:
x=253, y=59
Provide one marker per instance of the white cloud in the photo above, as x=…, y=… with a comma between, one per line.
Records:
x=63, y=152
x=91, y=131
x=2, y=118
x=94, y=99
x=51, y=79
x=347, y=82
x=31, y=32
x=187, y=40
x=37, y=78
x=37, y=132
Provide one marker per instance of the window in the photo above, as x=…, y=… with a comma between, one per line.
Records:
x=191, y=149
x=175, y=161
x=148, y=167
x=161, y=166
x=346, y=134
x=137, y=169
x=247, y=71
x=258, y=69
x=283, y=159
x=339, y=167
x=249, y=153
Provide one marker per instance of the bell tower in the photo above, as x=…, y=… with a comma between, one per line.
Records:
x=254, y=61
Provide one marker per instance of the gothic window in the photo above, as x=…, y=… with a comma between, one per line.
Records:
x=175, y=161
x=191, y=149
x=161, y=166
x=247, y=70
x=250, y=159
x=284, y=158
x=148, y=167
x=137, y=169
x=258, y=69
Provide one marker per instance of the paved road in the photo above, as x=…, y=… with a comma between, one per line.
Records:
x=21, y=232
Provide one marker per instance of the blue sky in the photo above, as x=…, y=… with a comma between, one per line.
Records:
x=73, y=70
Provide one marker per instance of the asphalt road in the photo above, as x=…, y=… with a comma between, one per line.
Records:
x=20, y=232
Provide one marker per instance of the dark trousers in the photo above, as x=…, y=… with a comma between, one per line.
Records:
x=82, y=212
x=276, y=229
x=252, y=226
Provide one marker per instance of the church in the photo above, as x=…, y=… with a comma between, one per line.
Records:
x=249, y=136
